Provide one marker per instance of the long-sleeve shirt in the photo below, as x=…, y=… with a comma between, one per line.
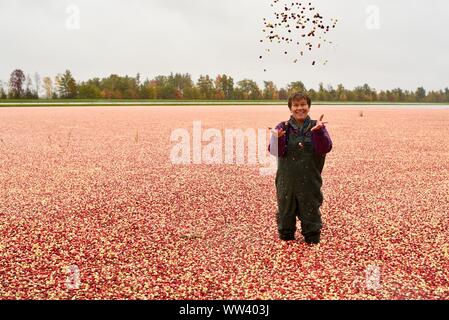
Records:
x=321, y=141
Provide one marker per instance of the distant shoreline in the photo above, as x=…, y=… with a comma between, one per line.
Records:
x=168, y=103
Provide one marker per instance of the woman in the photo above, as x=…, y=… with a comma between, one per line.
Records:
x=301, y=145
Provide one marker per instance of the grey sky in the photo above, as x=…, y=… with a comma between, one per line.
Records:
x=154, y=37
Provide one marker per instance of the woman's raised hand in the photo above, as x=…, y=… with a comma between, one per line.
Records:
x=277, y=133
x=319, y=124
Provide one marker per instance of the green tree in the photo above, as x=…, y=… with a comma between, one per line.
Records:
x=435, y=96
x=331, y=93
x=365, y=93
x=138, y=80
x=117, y=87
x=390, y=97
x=409, y=96
x=382, y=96
x=312, y=94
x=341, y=93
x=110, y=87
x=295, y=87
x=322, y=94
x=283, y=94
x=165, y=89
x=420, y=94
x=270, y=92
x=148, y=90
x=397, y=95
x=224, y=86
x=130, y=88
x=2, y=91
x=66, y=85
x=181, y=84
x=90, y=89
x=206, y=87
x=29, y=88
x=248, y=90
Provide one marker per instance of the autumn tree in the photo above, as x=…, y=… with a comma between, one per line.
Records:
x=435, y=96
x=165, y=88
x=16, y=83
x=295, y=87
x=283, y=94
x=182, y=85
x=224, y=86
x=149, y=90
x=248, y=90
x=270, y=92
x=219, y=92
x=47, y=85
x=37, y=84
x=117, y=87
x=206, y=87
x=130, y=88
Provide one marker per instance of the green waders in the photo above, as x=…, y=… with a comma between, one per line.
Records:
x=298, y=186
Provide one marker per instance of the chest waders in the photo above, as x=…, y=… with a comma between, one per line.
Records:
x=298, y=186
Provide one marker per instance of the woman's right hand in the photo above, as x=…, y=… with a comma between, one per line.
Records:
x=278, y=133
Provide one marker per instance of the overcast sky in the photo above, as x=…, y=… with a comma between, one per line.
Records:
x=408, y=48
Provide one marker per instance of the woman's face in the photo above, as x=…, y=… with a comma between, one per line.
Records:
x=300, y=110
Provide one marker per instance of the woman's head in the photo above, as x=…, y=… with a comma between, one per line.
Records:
x=299, y=105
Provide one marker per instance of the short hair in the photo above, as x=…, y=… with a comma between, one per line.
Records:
x=299, y=96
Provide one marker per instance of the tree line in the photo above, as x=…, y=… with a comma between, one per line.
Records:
x=177, y=86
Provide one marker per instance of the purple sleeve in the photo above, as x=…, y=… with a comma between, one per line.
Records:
x=321, y=141
x=278, y=146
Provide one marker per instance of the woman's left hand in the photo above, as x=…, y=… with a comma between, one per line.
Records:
x=319, y=124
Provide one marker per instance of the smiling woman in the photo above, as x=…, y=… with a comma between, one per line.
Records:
x=301, y=145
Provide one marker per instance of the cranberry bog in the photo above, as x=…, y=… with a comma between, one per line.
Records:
x=93, y=207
